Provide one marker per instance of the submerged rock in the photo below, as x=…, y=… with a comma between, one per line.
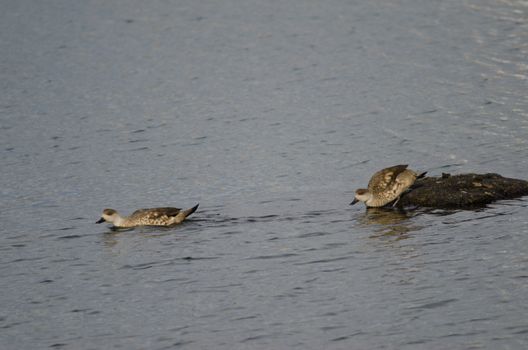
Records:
x=462, y=191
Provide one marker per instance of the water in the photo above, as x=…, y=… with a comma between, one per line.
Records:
x=269, y=114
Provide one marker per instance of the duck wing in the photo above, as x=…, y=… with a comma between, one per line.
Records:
x=153, y=213
x=385, y=178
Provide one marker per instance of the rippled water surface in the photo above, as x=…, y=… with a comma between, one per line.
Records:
x=269, y=114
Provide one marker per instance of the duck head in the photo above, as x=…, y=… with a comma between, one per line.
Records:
x=109, y=215
x=361, y=195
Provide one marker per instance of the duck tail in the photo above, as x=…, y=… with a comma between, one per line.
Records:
x=191, y=210
x=184, y=213
x=422, y=175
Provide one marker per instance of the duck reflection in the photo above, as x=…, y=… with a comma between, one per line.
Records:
x=115, y=235
x=388, y=222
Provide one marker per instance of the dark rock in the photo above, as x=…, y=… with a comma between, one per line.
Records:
x=462, y=191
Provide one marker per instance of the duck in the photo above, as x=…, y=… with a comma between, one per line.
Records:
x=386, y=186
x=164, y=216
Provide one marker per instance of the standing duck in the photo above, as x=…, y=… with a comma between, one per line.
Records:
x=386, y=186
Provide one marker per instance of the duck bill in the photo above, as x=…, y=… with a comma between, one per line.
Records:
x=101, y=220
x=354, y=201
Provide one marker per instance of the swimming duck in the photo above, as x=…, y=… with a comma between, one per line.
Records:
x=386, y=186
x=147, y=217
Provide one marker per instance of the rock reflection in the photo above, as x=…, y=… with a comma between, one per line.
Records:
x=388, y=222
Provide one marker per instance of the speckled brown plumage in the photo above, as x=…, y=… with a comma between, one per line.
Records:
x=164, y=216
x=386, y=186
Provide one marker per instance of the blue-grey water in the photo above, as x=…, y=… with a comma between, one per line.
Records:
x=269, y=114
